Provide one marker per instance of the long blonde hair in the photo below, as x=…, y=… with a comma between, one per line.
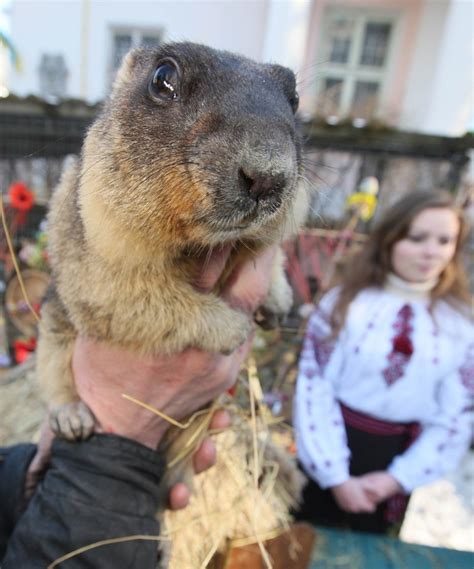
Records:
x=369, y=268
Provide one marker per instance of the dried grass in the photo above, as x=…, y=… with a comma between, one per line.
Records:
x=21, y=410
x=245, y=498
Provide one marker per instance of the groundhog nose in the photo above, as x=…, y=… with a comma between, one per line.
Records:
x=259, y=185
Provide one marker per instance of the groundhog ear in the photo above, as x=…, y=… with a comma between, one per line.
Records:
x=287, y=80
x=126, y=71
x=283, y=75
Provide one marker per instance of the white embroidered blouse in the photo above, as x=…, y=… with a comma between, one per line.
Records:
x=392, y=360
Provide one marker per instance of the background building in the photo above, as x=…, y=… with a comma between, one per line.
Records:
x=405, y=63
x=386, y=86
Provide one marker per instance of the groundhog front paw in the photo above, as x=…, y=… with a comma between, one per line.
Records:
x=233, y=334
x=277, y=305
x=267, y=319
x=72, y=421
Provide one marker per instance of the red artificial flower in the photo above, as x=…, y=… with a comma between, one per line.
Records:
x=21, y=198
x=23, y=349
x=403, y=345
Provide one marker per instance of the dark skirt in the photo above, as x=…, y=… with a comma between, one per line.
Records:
x=369, y=452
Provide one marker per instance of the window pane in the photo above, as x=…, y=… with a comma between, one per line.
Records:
x=122, y=43
x=375, y=46
x=364, y=103
x=339, y=38
x=150, y=41
x=329, y=98
x=53, y=76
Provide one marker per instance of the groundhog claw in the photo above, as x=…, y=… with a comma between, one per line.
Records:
x=234, y=336
x=72, y=421
x=266, y=319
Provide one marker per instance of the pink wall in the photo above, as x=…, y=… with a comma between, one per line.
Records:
x=409, y=16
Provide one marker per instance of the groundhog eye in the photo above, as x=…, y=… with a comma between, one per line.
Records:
x=295, y=101
x=164, y=84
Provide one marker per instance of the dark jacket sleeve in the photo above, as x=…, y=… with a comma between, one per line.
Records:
x=14, y=462
x=103, y=488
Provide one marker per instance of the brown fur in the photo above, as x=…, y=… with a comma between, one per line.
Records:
x=156, y=184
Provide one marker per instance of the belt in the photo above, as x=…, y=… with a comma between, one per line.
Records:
x=374, y=426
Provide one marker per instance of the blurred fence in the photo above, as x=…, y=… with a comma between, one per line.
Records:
x=36, y=137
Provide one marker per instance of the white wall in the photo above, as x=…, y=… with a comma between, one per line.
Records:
x=286, y=33
x=41, y=26
x=4, y=71
x=439, y=94
x=452, y=101
x=424, y=63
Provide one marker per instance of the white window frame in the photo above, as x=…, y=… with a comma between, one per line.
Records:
x=136, y=33
x=351, y=71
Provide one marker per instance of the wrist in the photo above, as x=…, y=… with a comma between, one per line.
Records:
x=149, y=436
x=333, y=480
x=399, y=478
x=338, y=488
x=396, y=486
x=116, y=415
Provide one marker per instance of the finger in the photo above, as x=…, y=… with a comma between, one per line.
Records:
x=179, y=496
x=368, y=505
x=230, y=366
x=375, y=498
x=43, y=453
x=40, y=461
x=360, y=506
x=212, y=266
x=367, y=484
x=248, y=285
x=241, y=353
x=205, y=456
x=220, y=420
x=372, y=494
x=46, y=436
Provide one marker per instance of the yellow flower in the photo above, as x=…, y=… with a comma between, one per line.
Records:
x=364, y=203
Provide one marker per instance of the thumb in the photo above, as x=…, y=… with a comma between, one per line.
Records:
x=248, y=285
x=373, y=495
x=213, y=264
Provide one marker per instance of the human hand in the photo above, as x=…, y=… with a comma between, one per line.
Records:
x=204, y=457
x=380, y=485
x=178, y=384
x=40, y=461
x=351, y=496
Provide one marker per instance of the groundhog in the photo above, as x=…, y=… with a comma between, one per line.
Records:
x=194, y=148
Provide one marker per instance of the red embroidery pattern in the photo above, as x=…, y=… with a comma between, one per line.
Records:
x=402, y=346
x=323, y=351
x=395, y=508
x=318, y=332
x=466, y=371
x=317, y=350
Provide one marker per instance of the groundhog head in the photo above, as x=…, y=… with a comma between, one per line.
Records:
x=195, y=146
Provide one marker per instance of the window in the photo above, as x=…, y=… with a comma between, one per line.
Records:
x=53, y=76
x=354, y=54
x=122, y=43
x=124, y=39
